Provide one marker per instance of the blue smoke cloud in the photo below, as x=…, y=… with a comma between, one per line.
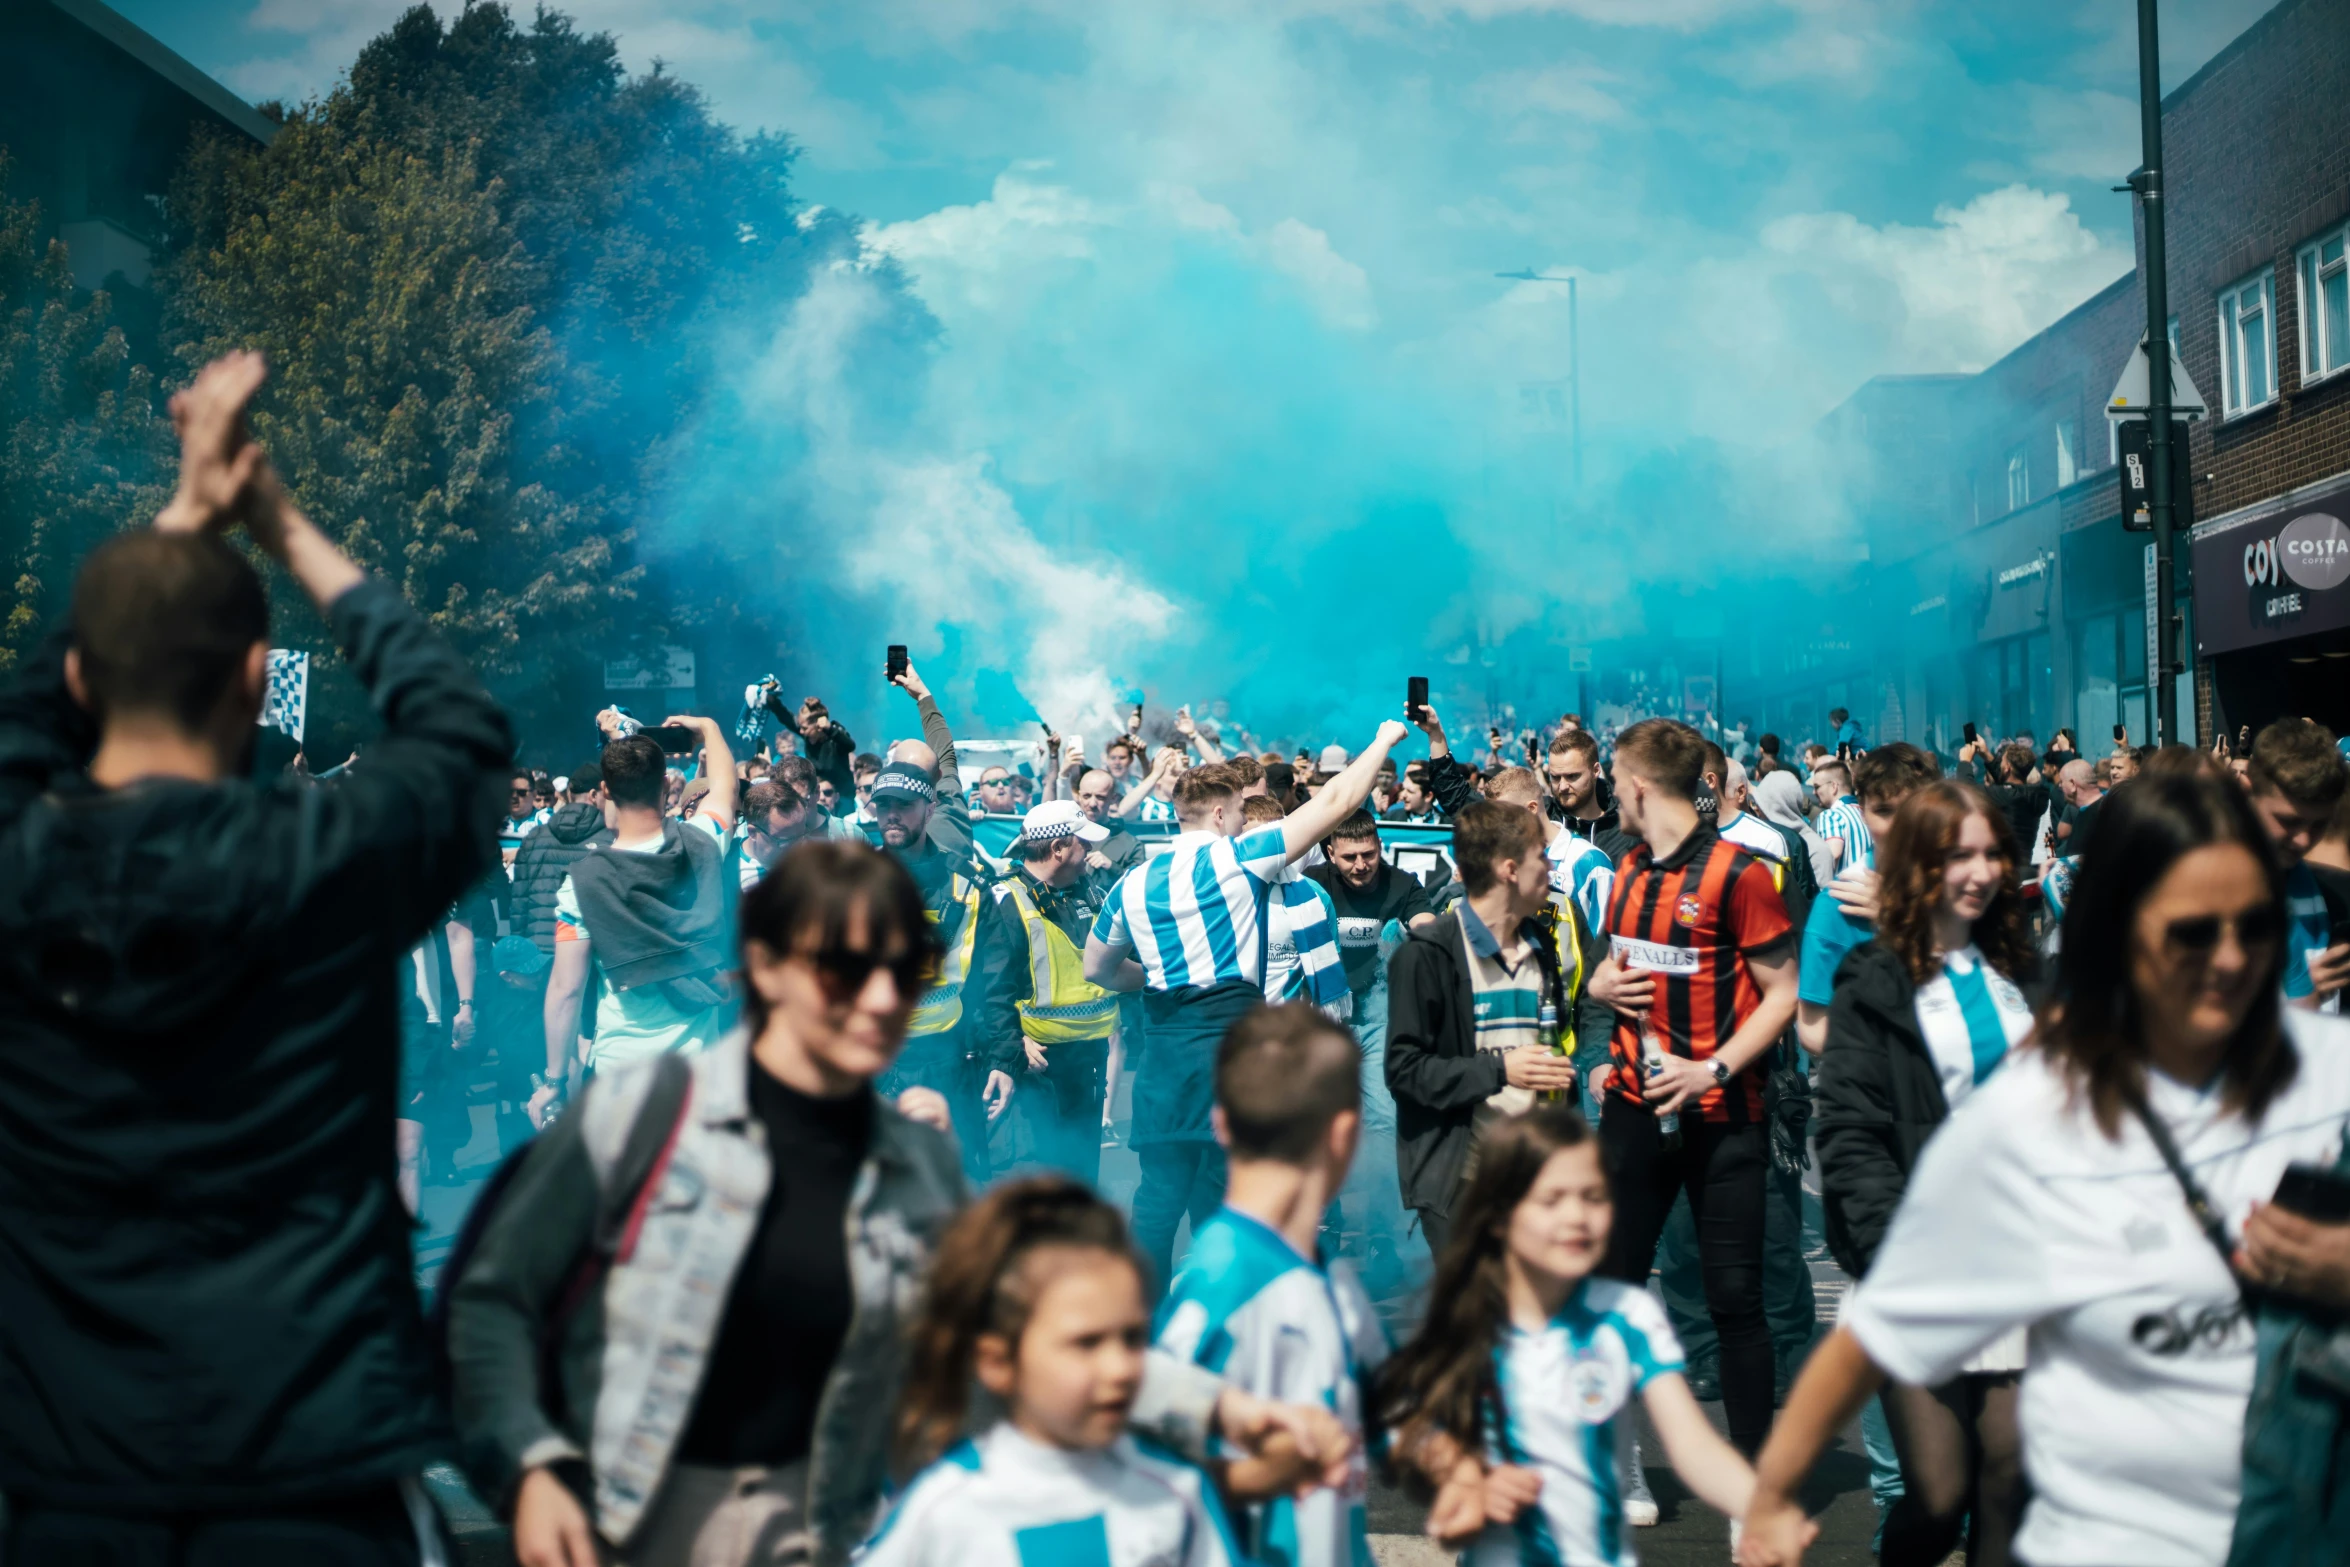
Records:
x=1226, y=402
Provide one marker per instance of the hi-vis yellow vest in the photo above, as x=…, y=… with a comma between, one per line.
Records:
x=1063, y=1006
x=1566, y=934
x=941, y=1006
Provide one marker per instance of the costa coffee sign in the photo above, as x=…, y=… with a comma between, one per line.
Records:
x=2283, y=576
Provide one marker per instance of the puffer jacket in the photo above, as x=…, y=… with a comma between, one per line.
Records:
x=545, y=859
x=632, y=1356
x=1878, y=1097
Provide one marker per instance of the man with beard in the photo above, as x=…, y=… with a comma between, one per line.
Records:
x=1367, y=895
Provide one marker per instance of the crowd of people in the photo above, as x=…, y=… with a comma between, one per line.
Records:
x=798, y=1249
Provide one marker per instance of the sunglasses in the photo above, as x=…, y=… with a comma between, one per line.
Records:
x=844, y=971
x=2199, y=936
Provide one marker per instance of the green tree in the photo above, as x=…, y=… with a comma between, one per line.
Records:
x=498, y=279
x=83, y=449
x=393, y=302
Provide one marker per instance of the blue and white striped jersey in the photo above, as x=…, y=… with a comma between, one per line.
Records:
x=1969, y=1015
x=1004, y=1499
x=1843, y=823
x=1195, y=916
x=1581, y=872
x=1561, y=1390
x=1247, y=1306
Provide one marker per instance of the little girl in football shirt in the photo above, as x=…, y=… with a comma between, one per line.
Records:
x=1036, y=1296
x=1528, y=1359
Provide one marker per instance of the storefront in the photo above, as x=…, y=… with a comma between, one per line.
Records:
x=2272, y=608
x=2107, y=576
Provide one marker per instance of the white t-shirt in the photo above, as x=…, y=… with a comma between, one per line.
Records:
x=1561, y=1390
x=2022, y=1213
x=1006, y=1500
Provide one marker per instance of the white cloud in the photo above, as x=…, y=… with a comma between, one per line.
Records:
x=1340, y=290
x=1972, y=286
x=1571, y=92
x=1027, y=232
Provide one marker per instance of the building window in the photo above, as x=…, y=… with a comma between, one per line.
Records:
x=2325, y=305
x=2068, y=451
x=2247, y=345
x=2019, y=480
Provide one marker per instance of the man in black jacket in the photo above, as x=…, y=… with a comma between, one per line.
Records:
x=1445, y=1078
x=210, y=1349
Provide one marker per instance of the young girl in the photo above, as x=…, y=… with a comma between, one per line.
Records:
x=1528, y=1359
x=1035, y=1294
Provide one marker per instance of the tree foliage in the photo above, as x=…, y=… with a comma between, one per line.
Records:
x=82, y=448
x=498, y=276
x=500, y=282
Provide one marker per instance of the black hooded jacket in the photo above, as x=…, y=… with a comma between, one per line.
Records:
x=206, y=1288
x=1434, y=1069
x=1876, y=1098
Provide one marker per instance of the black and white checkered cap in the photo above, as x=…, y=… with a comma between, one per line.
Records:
x=1060, y=819
x=905, y=783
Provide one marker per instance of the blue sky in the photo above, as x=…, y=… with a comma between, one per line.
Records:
x=1217, y=278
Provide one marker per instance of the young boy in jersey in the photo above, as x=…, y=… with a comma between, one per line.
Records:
x=1256, y=1302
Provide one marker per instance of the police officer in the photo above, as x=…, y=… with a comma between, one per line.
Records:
x=944, y=1047
x=1044, y=1013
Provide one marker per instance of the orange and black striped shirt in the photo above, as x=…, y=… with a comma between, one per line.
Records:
x=1688, y=921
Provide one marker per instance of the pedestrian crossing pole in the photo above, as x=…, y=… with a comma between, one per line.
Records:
x=2147, y=182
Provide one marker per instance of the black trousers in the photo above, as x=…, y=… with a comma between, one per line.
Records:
x=1721, y=1168
x=377, y=1529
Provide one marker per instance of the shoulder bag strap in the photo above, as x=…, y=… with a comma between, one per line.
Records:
x=2199, y=1203
x=650, y=1137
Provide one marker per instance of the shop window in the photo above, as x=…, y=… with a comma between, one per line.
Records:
x=2324, y=266
x=2247, y=345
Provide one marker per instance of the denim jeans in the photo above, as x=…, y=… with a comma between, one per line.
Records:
x=1177, y=1179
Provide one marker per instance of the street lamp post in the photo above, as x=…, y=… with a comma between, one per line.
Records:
x=2147, y=182
x=1574, y=360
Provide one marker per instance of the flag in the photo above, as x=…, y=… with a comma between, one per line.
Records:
x=286, y=704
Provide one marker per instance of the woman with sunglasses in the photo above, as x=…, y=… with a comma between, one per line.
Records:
x=1923, y=1014
x=2165, y=1079
x=721, y=1396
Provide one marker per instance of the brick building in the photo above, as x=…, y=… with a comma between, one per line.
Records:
x=2259, y=140
x=1997, y=563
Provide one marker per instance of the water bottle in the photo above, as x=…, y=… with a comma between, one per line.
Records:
x=1652, y=1057
x=1546, y=1032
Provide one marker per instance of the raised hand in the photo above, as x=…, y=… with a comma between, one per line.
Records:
x=217, y=461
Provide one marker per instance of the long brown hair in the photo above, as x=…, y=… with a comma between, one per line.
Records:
x=1919, y=844
x=978, y=1285
x=2090, y=1023
x=1442, y=1382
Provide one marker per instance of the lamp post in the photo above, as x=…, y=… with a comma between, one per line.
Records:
x=1574, y=360
x=2161, y=504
